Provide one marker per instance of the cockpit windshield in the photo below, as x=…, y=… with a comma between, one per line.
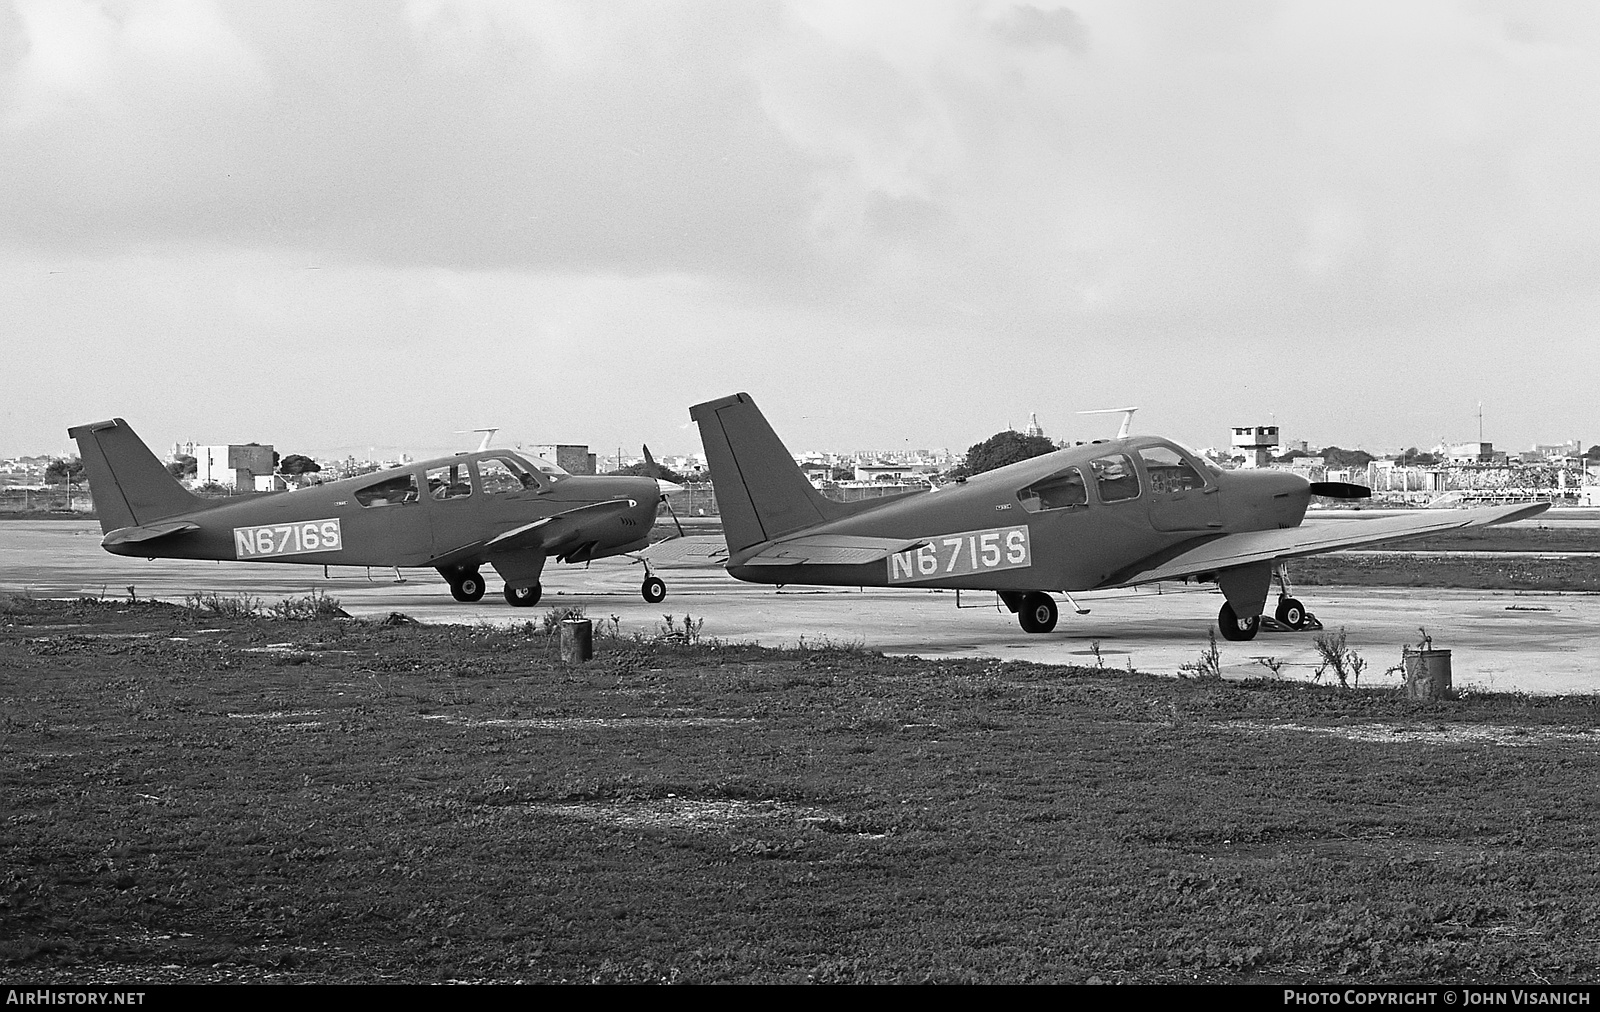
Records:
x=553, y=472
x=505, y=473
x=1205, y=461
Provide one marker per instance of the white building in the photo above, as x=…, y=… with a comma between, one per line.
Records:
x=1256, y=442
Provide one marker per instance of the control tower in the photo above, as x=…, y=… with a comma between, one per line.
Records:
x=1256, y=442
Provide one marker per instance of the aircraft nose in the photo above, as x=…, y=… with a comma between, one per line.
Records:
x=668, y=487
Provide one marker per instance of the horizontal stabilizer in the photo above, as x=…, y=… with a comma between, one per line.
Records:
x=831, y=550
x=694, y=550
x=1232, y=550
x=149, y=532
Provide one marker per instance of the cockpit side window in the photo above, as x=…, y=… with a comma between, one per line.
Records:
x=498, y=475
x=1115, y=479
x=401, y=488
x=1168, y=471
x=1058, y=491
x=449, y=481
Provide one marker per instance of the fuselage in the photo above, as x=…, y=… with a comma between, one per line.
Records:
x=443, y=512
x=1068, y=520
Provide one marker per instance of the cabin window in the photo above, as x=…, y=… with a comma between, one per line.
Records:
x=449, y=482
x=502, y=474
x=1168, y=471
x=399, y=489
x=1058, y=491
x=1114, y=477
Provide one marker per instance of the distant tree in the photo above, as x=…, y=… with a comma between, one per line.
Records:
x=182, y=466
x=1285, y=458
x=1001, y=449
x=1593, y=454
x=651, y=471
x=1413, y=457
x=59, y=472
x=298, y=463
x=843, y=474
x=1333, y=456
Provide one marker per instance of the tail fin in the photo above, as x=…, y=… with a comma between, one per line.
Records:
x=130, y=486
x=761, y=492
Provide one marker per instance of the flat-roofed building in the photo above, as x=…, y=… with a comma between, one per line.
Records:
x=1256, y=443
x=573, y=458
x=235, y=465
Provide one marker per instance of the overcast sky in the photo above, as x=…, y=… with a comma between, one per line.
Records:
x=337, y=225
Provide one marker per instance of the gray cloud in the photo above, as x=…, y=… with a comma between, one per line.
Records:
x=1193, y=194
x=1029, y=26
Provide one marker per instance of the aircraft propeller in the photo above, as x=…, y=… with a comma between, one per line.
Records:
x=669, y=488
x=1340, y=490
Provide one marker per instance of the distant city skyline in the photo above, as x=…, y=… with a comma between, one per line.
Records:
x=339, y=224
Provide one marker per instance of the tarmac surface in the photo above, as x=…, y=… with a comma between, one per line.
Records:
x=1544, y=643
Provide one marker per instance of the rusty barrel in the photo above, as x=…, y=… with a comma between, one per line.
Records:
x=577, y=640
x=1427, y=674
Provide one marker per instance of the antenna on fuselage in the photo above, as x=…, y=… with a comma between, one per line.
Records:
x=488, y=434
x=1127, y=418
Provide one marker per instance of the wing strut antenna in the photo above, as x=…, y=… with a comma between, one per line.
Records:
x=1127, y=418
x=488, y=434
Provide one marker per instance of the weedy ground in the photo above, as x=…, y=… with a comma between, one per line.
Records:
x=191, y=795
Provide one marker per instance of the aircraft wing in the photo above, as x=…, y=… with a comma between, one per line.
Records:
x=1231, y=550
x=148, y=532
x=545, y=532
x=830, y=550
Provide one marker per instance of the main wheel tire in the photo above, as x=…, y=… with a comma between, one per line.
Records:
x=523, y=597
x=1291, y=613
x=1234, y=628
x=1037, y=613
x=467, y=588
x=653, y=590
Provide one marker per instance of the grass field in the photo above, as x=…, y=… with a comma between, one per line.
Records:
x=192, y=797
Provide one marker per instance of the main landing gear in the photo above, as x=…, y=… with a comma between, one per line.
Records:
x=1290, y=613
x=1234, y=628
x=466, y=585
x=523, y=597
x=1036, y=610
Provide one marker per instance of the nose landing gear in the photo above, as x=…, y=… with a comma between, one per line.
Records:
x=1291, y=614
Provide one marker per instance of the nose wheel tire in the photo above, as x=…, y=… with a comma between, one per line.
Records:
x=523, y=597
x=467, y=588
x=1291, y=613
x=1037, y=613
x=1235, y=628
x=653, y=590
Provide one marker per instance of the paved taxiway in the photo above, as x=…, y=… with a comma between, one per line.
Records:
x=1541, y=643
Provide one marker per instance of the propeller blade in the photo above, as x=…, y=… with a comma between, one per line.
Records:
x=670, y=511
x=1340, y=490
